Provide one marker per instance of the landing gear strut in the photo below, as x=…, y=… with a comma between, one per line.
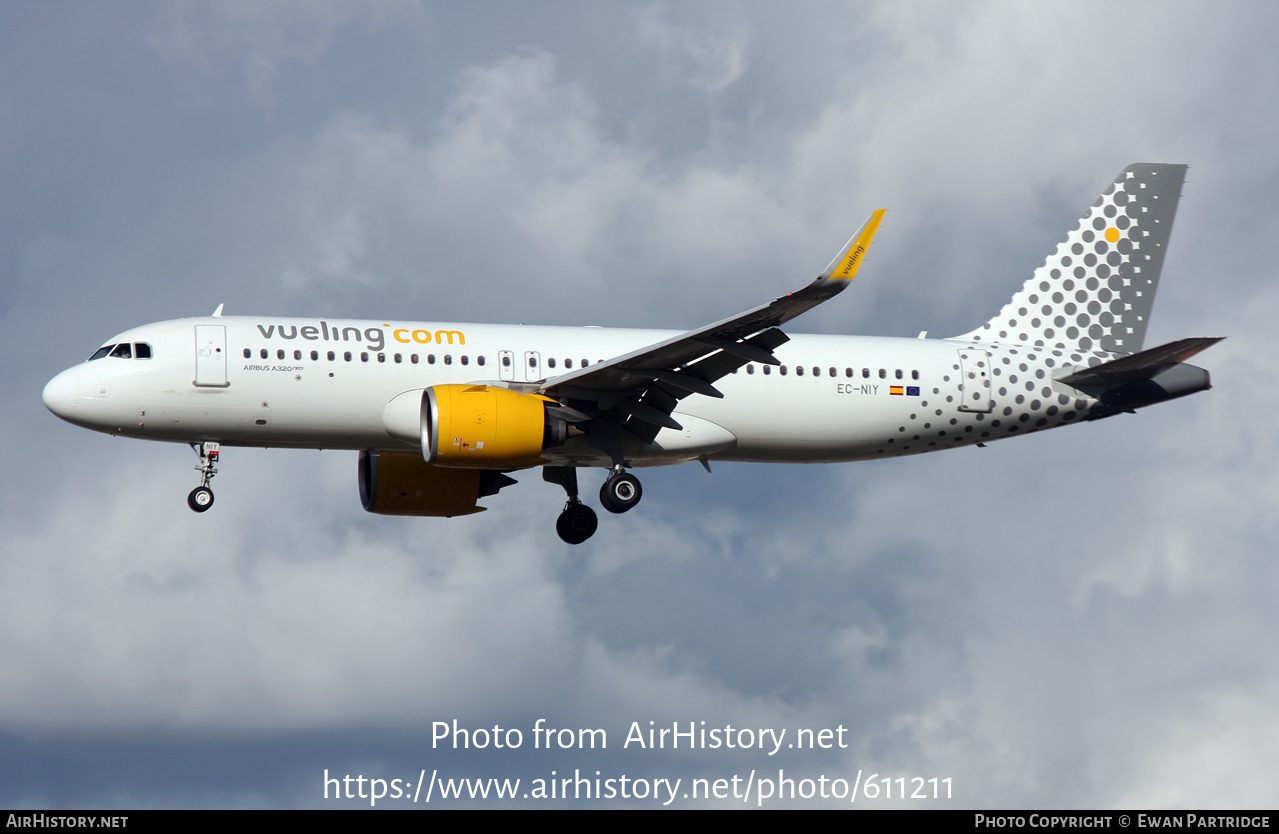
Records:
x=201, y=498
x=577, y=522
x=621, y=492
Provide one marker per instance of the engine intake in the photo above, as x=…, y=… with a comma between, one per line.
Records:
x=482, y=427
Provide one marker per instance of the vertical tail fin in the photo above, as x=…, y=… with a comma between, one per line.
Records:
x=1096, y=290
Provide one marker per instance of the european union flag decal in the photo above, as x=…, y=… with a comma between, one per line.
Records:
x=912, y=390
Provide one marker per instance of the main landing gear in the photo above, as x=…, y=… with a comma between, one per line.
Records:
x=201, y=498
x=578, y=522
x=621, y=492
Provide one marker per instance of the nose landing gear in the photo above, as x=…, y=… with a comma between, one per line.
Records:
x=201, y=498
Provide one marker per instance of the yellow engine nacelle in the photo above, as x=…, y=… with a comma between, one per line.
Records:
x=401, y=483
x=481, y=427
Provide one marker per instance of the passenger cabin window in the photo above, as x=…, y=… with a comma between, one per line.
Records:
x=297, y=354
x=101, y=352
x=479, y=360
x=123, y=351
x=248, y=354
x=263, y=353
x=315, y=356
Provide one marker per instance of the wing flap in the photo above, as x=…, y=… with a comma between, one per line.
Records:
x=683, y=381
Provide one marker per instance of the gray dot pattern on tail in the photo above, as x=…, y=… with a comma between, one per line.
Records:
x=1094, y=293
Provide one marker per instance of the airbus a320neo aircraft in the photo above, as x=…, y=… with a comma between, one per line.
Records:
x=442, y=413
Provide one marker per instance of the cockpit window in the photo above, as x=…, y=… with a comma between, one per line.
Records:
x=123, y=351
x=141, y=350
x=101, y=352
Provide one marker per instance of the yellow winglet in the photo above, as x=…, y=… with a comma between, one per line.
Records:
x=844, y=267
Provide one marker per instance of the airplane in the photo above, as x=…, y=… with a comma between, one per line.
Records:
x=442, y=413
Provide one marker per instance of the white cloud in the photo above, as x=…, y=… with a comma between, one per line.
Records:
x=520, y=178
x=1217, y=753
x=712, y=61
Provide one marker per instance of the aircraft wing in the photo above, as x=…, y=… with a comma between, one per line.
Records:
x=644, y=386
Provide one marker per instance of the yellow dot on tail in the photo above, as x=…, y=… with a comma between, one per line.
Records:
x=1112, y=234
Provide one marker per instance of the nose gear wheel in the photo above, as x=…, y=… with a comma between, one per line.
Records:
x=200, y=499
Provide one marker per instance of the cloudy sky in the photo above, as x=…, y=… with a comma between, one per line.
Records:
x=1082, y=618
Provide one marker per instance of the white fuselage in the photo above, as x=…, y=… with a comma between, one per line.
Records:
x=316, y=383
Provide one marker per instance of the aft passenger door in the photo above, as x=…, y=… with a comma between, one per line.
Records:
x=210, y=356
x=975, y=391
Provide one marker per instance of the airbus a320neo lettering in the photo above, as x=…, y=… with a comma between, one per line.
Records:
x=443, y=413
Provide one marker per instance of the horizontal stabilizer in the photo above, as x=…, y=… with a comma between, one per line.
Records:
x=1152, y=376
x=1144, y=365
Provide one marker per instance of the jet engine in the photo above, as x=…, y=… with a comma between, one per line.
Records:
x=482, y=427
x=401, y=483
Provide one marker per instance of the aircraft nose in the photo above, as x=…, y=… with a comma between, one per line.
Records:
x=60, y=394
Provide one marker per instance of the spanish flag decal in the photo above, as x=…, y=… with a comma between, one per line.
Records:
x=896, y=390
